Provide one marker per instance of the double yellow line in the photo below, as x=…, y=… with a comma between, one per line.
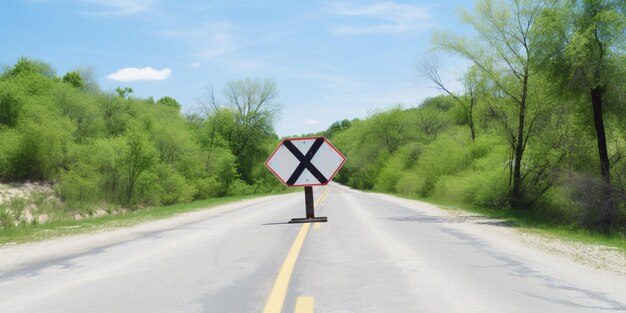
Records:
x=277, y=298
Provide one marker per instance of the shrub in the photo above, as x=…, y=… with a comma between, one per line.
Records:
x=410, y=183
x=598, y=205
x=9, y=145
x=173, y=186
x=209, y=187
x=395, y=167
x=78, y=185
x=239, y=187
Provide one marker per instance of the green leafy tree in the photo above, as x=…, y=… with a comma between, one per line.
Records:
x=504, y=53
x=139, y=156
x=170, y=102
x=73, y=78
x=25, y=66
x=249, y=126
x=125, y=92
x=586, y=55
x=337, y=127
x=467, y=101
x=430, y=122
x=114, y=112
x=587, y=45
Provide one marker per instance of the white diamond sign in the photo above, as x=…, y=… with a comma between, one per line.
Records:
x=305, y=161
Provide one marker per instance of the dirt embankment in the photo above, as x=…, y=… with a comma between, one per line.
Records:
x=26, y=203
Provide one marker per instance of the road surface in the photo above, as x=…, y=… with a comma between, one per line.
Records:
x=377, y=253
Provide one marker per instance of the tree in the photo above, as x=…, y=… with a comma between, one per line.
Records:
x=169, y=102
x=467, y=100
x=254, y=111
x=27, y=66
x=588, y=41
x=73, y=78
x=504, y=54
x=388, y=130
x=140, y=155
x=124, y=93
x=337, y=127
x=586, y=58
x=430, y=122
x=89, y=78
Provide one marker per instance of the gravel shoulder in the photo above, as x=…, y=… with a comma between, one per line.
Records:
x=607, y=259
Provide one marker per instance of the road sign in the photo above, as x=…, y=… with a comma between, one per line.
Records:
x=305, y=161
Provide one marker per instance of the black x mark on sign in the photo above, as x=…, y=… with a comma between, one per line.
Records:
x=305, y=161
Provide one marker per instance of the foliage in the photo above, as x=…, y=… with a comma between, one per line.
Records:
x=124, y=92
x=74, y=79
x=534, y=139
x=243, y=122
x=107, y=150
x=169, y=102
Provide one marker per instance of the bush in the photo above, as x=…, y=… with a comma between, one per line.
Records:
x=410, y=183
x=42, y=150
x=396, y=165
x=9, y=145
x=481, y=189
x=481, y=180
x=173, y=186
x=239, y=187
x=209, y=187
x=444, y=156
x=78, y=186
x=598, y=205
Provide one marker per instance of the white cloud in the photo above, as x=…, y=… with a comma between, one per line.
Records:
x=194, y=65
x=312, y=122
x=130, y=74
x=385, y=17
x=117, y=7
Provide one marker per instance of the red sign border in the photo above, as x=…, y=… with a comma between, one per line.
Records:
x=306, y=138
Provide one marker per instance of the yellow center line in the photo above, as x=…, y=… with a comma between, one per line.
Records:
x=305, y=305
x=317, y=225
x=322, y=198
x=277, y=297
x=276, y=300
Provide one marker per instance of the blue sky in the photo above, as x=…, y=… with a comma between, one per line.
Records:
x=330, y=59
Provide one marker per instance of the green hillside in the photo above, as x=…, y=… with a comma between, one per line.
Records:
x=110, y=150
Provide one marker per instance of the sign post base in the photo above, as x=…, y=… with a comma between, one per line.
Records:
x=310, y=210
x=309, y=220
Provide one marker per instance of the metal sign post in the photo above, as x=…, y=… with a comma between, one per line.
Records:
x=306, y=162
x=310, y=210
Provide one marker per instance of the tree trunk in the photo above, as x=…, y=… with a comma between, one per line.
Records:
x=471, y=119
x=516, y=193
x=596, y=101
x=608, y=211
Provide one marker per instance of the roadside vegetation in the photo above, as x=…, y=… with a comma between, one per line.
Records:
x=537, y=132
x=63, y=226
x=91, y=153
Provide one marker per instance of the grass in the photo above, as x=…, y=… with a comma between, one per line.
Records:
x=534, y=222
x=36, y=232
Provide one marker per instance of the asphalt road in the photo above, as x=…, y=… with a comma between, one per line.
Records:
x=377, y=253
